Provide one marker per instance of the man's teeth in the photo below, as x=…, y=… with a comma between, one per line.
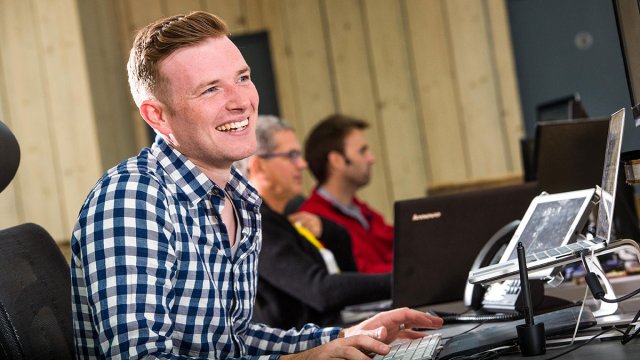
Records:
x=234, y=126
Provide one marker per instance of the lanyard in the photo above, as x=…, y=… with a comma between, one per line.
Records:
x=327, y=255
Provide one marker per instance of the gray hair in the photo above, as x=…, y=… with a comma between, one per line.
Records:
x=266, y=128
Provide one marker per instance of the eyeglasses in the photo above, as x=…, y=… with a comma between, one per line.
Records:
x=293, y=155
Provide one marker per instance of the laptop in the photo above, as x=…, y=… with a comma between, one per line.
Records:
x=552, y=257
x=438, y=237
x=552, y=220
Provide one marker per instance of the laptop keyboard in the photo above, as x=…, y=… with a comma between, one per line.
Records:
x=418, y=349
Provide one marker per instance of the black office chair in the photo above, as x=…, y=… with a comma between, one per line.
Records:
x=35, y=285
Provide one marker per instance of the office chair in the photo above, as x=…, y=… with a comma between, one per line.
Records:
x=35, y=285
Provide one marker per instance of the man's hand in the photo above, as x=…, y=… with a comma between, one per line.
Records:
x=353, y=348
x=372, y=336
x=310, y=221
x=397, y=323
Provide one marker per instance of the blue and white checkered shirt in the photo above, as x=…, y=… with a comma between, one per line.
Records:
x=152, y=270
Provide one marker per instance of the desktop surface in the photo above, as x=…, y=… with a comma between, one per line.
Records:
x=596, y=350
x=608, y=348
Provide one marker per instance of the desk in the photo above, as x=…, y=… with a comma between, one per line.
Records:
x=596, y=350
x=609, y=349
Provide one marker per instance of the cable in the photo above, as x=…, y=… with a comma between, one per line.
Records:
x=464, y=332
x=575, y=331
x=596, y=288
x=487, y=354
x=622, y=298
x=581, y=345
x=452, y=318
x=598, y=293
x=625, y=336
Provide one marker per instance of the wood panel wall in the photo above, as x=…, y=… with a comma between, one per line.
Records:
x=46, y=101
x=435, y=79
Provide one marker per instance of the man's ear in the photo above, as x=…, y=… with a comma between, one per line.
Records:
x=254, y=165
x=153, y=112
x=335, y=160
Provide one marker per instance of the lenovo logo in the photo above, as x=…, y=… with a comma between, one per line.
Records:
x=427, y=216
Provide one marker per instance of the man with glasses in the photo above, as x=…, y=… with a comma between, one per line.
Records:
x=340, y=159
x=306, y=269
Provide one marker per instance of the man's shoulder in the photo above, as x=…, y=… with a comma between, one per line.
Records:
x=144, y=165
x=140, y=173
x=315, y=204
x=364, y=207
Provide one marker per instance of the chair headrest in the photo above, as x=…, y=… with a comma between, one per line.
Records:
x=9, y=156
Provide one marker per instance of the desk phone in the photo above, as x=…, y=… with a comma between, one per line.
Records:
x=505, y=296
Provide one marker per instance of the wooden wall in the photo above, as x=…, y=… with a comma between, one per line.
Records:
x=435, y=78
x=46, y=101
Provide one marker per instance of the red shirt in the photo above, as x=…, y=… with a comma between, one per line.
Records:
x=372, y=248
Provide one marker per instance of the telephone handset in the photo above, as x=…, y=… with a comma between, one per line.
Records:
x=489, y=254
x=504, y=296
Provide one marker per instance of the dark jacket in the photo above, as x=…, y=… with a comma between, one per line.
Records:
x=294, y=287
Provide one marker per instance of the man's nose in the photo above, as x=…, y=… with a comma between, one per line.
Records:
x=372, y=158
x=302, y=163
x=237, y=98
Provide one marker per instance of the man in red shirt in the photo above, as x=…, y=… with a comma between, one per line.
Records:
x=340, y=159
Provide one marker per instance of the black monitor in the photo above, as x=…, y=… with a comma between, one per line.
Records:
x=563, y=108
x=569, y=154
x=566, y=107
x=628, y=21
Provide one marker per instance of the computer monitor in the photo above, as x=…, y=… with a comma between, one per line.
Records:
x=628, y=21
x=566, y=107
x=570, y=153
x=570, y=156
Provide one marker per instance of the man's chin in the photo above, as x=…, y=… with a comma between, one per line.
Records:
x=245, y=153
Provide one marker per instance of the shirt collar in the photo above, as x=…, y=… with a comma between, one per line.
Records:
x=195, y=185
x=352, y=210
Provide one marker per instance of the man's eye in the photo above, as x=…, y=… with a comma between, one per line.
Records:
x=245, y=78
x=209, y=90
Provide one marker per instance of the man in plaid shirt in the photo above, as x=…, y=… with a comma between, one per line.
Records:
x=164, y=253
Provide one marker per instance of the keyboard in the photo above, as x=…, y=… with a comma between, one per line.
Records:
x=424, y=348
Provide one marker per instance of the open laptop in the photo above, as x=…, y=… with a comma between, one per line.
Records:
x=551, y=257
x=437, y=239
x=552, y=220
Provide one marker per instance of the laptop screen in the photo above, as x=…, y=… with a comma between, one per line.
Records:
x=437, y=239
x=610, y=176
